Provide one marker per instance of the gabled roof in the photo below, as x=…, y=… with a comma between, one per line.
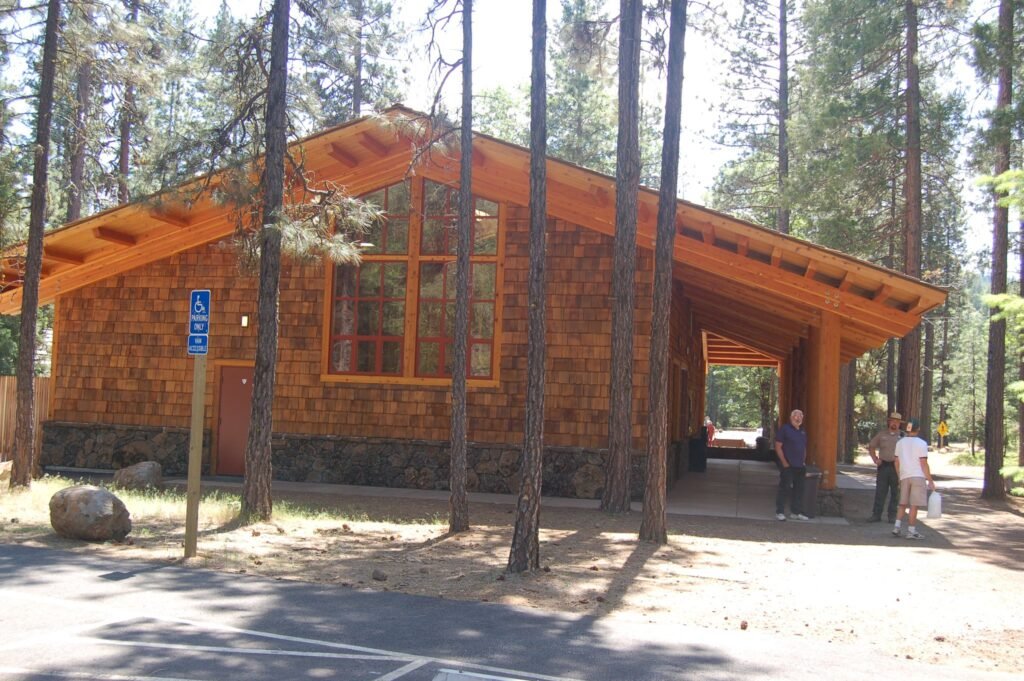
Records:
x=746, y=283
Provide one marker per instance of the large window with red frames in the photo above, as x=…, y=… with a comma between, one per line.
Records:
x=394, y=314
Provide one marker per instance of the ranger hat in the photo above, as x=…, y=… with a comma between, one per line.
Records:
x=896, y=415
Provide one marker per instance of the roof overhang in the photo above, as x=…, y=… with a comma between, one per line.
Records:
x=754, y=286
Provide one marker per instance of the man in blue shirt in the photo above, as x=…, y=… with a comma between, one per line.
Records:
x=791, y=450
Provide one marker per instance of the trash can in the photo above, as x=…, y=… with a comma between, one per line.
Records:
x=811, y=482
x=698, y=454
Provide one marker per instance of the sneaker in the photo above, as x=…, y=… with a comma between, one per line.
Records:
x=780, y=516
x=895, y=531
x=877, y=519
x=801, y=516
x=915, y=535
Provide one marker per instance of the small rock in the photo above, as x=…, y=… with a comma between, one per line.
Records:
x=140, y=476
x=583, y=601
x=743, y=625
x=379, y=575
x=500, y=578
x=255, y=533
x=459, y=577
x=14, y=521
x=599, y=599
x=424, y=570
x=546, y=568
x=346, y=528
x=595, y=568
x=940, y=639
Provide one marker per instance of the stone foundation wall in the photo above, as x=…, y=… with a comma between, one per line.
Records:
x=104, y=446
x=377, y=462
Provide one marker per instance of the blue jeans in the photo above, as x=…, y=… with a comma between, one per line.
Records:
x=791, y=482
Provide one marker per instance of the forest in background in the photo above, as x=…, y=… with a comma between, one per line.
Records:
x=147, y=94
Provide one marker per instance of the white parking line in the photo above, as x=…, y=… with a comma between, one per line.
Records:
x=395, y=657
x=19, y=671
x=399, y=673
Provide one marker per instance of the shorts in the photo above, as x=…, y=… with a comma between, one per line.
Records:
x=913, y=492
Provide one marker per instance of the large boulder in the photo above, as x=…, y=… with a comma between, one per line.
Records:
x=90, y=513
x=140, y=476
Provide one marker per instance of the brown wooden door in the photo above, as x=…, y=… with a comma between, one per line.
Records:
x=234, y=410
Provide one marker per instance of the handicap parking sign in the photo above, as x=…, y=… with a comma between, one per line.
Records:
x=199, y=322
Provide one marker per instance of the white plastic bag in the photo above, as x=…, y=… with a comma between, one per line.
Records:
x=935, y=505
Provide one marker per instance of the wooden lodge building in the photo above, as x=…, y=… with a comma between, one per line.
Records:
x=362, y=393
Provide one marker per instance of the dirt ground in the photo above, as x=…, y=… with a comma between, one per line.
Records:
x=953, y=599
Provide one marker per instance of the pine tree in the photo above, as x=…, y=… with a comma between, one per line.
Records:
x=525, y=552
x=616, y=495
x=257, y=501
x=653, y=527
x=458, y=506
x=24, y=435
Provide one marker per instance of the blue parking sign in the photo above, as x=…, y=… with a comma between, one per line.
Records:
x=199, y=322
x=198, y=344
x=199, y=312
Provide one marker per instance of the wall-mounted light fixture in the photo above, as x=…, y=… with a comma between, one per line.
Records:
x=245, y=321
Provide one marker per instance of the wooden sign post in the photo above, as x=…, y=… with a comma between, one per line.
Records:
x=198, y=344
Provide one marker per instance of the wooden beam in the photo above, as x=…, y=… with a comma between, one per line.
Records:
x=113, y=236
x=66, y=257
x=846, y=283
x=823, y=396
x=338, y=153
x=812, y=268
x=882, y=294
x=169, y=219
x=742, y=244
x=374, y=145
x=776, y=256
x=479, y=158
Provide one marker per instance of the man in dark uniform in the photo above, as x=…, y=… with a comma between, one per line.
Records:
x=882, y=449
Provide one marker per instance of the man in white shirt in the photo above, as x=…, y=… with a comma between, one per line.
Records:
x=912, y=467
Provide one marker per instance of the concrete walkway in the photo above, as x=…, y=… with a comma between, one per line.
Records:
x=728, y=489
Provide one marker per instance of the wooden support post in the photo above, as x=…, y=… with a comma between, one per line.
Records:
x=195, y=454
x=785, y=390
x=823, y=392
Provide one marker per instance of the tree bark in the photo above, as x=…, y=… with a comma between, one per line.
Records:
x=76, y=160
x=928, y=383
x=782, y=218
x=257, y=501
x=847, y=431
x=1020, y=368
x=127, y=117
x=653, y=526
x=458, y=505
x=994, y=487
x=909, y=384
x=23, y=462
x=616, y=494
x=357, y=65
x=525, y=552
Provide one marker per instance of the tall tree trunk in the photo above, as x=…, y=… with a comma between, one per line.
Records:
x=653, y=526
x=257, y=502
x=928, y=386
x=890, y=377
x=76, y=161
x=994, y=486
x=616, y=496
x=458, y=506
x=943, y=357
x=847, y=430
x=357, y=66
x=909, y=385
x=782, y=218
x=1020, y=368
x=127, y=116
x=525, y=552
x=24, y=432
